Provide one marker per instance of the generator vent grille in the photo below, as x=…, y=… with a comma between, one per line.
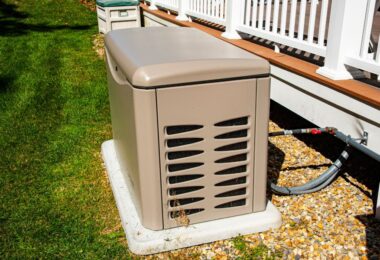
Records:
x=184, y=177
x=238, y=173
x=207, y=170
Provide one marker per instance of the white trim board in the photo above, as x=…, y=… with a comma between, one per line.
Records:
x=143, y=241
x=324, y=106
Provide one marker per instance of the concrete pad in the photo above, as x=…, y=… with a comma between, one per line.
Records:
x=144, y=241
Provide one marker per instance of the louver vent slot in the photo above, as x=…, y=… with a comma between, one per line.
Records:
x=233, y=122
x=235, y=203
x=182, y=166
x=182, y=141
x=178, y=191
x=232, y=193
x=234, y=158
x=232, y=147
x=181, y=202
x=235, y=134
x=233, y=170
x=235, y=181
x=182, y=154
x=184, y=178
x=184, y=213
x=172, y=130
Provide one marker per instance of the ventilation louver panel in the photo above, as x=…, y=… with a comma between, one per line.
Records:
x=206, y=152
x=236, y=175
x=188, y=192
x=183, y=180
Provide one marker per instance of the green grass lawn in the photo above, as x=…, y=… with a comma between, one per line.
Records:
x=55, y=200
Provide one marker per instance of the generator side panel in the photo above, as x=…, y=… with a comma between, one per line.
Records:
x=261, y=147
x=206, y=135
x=134, y=127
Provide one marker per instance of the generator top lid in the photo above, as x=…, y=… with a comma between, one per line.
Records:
x=161, y=56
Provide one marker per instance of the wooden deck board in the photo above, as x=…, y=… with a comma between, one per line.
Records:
x=358, y=90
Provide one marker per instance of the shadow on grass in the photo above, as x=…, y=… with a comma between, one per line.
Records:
x=12, y=22
x=364, y=169
x=6, y=83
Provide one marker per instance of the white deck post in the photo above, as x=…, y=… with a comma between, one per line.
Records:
x=233, y=17
x=153, y=5
x=182, y=8
x=344, y=37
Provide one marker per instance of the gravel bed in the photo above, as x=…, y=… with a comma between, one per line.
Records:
x=335, y=223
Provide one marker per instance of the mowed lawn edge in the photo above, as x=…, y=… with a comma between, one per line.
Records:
x=55, y=200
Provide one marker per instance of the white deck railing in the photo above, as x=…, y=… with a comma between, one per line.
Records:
x=283, y=22
x=168, y=4
x=368, y=58
x=210, y=10
x=300, y=24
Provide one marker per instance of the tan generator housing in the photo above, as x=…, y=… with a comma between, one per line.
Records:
x=190, y=124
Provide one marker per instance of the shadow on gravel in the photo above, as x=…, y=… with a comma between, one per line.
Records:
x=12, y=22
x=372, y=235
x=276, y=158
x=364, y=169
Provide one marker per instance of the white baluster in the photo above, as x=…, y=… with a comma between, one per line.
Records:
x=233, y=18
x=284, y=13
x=254, y=14
x=153, y=5
x=322, y=22
x=268, y=15
x=301, y=20
x=313, y=10
x=182, y=9
x=275, y=15
x=367, y=29
x=248, y=12
x=261, y=15
x=223, y=10
x=213, y=8
x=292, y=22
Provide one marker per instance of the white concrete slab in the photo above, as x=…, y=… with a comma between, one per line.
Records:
x=144, y=241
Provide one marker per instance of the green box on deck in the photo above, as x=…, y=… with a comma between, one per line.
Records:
x=113, y=3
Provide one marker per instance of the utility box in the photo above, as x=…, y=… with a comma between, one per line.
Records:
x=190, y=124
x=117, y=14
